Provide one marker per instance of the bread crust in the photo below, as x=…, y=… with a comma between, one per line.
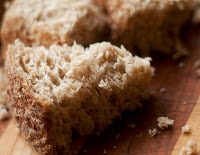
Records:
x=34, y=119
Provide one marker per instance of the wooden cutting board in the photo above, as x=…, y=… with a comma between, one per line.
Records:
x=14, y=144
x=194, y=135
x=179, y=102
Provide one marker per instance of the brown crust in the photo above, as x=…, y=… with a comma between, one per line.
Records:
x=38, y=124
x=34, y=119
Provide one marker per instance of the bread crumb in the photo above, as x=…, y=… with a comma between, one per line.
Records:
x=181, y=64
x=196, y=64
x=196, y=67
x=164, y=122
x=131, y=125
x=184, y=102
x=197, y=71
x=162, y=90
x=104, y=151
x=152, y=132
x=186, y=129
x=114, y=146
x=4, y=113
x=189, y=149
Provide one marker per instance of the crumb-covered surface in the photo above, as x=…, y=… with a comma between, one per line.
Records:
x=182, y=87
x=4, y=113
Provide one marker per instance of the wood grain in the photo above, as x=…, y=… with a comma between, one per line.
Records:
x=12, y=143
x=194, y=135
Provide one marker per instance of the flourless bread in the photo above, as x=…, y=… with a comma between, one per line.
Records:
x=148, y=25
x=46, y=22
x=63, y=90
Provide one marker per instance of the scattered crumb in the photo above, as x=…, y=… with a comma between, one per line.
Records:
x=196, y=64
x=186, y=129
x=152, y=132
x=189, y=149
x=4, y=113
x=181, y=64
x=184, y=102
x=197, y=71
x=104, y=151
x=114, y=146
x=162, y=90
x=117, y=137
x=164, y=122
x=131, y=125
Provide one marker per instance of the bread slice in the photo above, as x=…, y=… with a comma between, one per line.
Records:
x=44, y=22
x=148, y=25
x=60, y=91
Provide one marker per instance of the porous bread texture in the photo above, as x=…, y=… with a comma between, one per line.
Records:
x=3, y=87
x=46, y=22
x=148, y=25
x=61, y=90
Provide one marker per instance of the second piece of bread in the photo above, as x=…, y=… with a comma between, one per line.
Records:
x=148, y=25
x=46, y=22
